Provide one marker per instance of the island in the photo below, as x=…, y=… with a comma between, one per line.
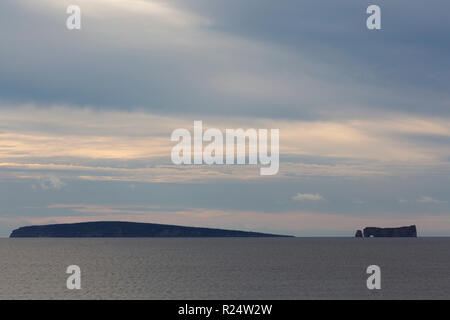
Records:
x=401, y=232
x=115, y=229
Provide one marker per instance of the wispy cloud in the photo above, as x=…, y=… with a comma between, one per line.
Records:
x=428, y=199
x=51, y=182
x=306, y=197
x=136, y=146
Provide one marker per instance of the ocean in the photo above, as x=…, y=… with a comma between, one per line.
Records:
x=225, y=268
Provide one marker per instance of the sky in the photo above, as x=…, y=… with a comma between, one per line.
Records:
x=86, y=115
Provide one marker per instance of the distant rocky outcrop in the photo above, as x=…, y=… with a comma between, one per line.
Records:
x=401, y=232
x=358, y=234
x=126, y=229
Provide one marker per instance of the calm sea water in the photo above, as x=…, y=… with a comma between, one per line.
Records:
x=235, y=268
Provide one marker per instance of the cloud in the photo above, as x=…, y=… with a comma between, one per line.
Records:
x=185, y=57
x=50, y=182
x=163, y=11
x=135, y=146
x=308, y=197
x=95, y=108
x=428, y=199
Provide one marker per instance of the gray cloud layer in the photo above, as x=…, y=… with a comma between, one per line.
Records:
x=253, y=58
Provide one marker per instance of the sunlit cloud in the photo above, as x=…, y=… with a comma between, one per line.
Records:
x=155, y=9
x=134, y=146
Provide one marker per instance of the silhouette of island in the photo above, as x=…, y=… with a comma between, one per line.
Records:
x=116, y=229
x=401, y=232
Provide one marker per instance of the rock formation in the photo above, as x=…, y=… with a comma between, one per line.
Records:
x=400, y=232
x=358, y=234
